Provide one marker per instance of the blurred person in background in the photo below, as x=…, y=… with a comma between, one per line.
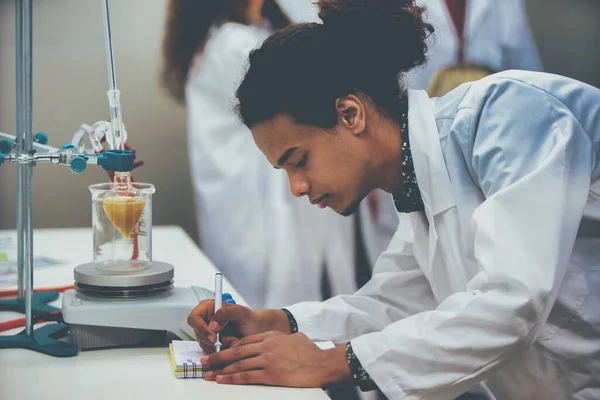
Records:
x=473, y=39
x=300, y=10
x=274, y=248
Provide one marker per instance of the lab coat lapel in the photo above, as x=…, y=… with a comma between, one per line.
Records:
x=436, y=191
x=430, y=168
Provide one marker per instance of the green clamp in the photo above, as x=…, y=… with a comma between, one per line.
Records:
x=40, y=138
x=78, y=164
x=116, y=160
x=6, y=146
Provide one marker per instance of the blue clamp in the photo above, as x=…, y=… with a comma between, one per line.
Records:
x=6, y=146
x=40, y=138
x=78, y=164
x=68, y=146
x=227, y=298
x=116, y=160
x=1, y=158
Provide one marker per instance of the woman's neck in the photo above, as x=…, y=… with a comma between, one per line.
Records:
x=254, y=15
x=390, y=168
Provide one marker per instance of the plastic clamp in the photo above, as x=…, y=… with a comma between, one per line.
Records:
x=40, y=138
x=6, y=146
x=68, y=146
x=116, y=160
x=78, y=164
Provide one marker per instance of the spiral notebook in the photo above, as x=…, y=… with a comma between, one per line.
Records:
x=185, y=359
x=186, y=354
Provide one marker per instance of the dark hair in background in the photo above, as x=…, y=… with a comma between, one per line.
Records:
x=187, y=27
x=361, y=48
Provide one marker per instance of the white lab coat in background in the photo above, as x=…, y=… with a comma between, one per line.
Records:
x=270, y=245
x=497, y=35
x=300, y=10
x=499, y=277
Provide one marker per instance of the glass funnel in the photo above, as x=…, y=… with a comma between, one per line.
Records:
x=122, y=224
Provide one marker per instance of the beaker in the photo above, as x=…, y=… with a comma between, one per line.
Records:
x=122, y=226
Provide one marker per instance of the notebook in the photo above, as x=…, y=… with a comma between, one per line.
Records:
x=186, y=354
x=185, y=359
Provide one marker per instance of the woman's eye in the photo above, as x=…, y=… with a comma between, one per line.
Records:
x=302, y=162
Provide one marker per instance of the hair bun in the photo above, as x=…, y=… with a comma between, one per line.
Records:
x=391, y=31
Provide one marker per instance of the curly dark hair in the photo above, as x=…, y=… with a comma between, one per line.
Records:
x=187, y=27
x=361, y=48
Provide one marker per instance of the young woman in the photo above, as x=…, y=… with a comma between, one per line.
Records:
x=494, y=272
x=272, y=247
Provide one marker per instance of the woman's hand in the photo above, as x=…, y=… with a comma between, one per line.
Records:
x=233, y=322
x=273, y=358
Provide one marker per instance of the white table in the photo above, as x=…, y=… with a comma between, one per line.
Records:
x=119, y=373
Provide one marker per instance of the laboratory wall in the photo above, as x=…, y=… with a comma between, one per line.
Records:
x=567, y=34
x=70, y=83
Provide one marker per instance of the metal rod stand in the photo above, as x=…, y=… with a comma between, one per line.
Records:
x=44, y=339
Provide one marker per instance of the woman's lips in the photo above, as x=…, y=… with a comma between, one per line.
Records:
x=323, y=202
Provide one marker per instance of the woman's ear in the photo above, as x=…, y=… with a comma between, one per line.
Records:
x=351, y=113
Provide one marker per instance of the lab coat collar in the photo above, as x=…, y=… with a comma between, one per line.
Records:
x=430, y=167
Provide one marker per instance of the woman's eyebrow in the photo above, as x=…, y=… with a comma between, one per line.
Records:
x=288, y=153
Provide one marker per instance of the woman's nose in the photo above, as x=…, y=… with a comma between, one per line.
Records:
x=298, y=185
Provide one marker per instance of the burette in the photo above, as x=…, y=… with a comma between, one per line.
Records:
x=124, y=203
x=116, y=138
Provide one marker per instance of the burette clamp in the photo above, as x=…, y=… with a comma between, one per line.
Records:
x=116, y=160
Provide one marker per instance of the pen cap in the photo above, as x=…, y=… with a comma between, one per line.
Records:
x=227, y=298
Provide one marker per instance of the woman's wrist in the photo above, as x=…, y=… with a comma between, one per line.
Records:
x=276, y=320
x=335, y=369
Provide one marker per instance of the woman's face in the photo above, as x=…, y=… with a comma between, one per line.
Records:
x=330, y=167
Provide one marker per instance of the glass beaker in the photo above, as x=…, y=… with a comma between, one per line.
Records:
x=122, y=226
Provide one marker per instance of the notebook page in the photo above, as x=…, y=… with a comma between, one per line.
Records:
x=186, y=352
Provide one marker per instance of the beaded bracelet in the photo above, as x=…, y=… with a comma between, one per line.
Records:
x=293, y=323
x=360, y=376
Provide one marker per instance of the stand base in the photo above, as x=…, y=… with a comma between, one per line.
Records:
x=38, y=303
x=43, y=340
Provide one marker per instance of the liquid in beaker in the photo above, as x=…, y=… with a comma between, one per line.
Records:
x=124, y=212
x=122, y=227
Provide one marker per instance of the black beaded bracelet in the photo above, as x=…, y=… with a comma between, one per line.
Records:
x=293, y=323
x=360, y=376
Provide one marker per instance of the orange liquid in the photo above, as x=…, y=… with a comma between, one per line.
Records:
x=124, y=213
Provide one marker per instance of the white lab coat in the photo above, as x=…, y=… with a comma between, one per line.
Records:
x=270, y=245
x=499, y=277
